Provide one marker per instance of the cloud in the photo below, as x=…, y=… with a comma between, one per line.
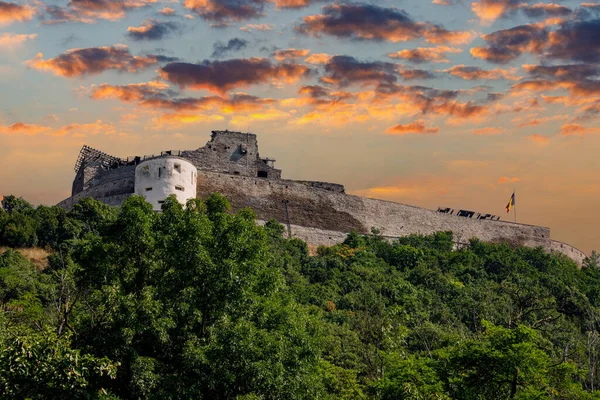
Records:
x=489, y=11
x=222, y=76
x=94, y=60
x=572, y=130
x=508, y=44
x=417, y=127
x=475, y=73
x=545, y=10
x=88, y=11
x=131, y=92
x=177, y=120
x=573, y=41
x=318, y=58
x=11, y=40
x=370, y=22
x=152, y=29
x=488, y=131
x=345, y=70
x=539, y=139
x=579, y=79
x=226, y=10
x=287, y=54
x=257, y=27
x=12, y=12
x=506, y=179
x=167, y=11
x=296, y=4
x=576, y=41
x=79, y=130
x=235, y=44
x=426, y=54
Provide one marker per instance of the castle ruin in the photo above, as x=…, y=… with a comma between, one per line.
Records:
x=320, y=213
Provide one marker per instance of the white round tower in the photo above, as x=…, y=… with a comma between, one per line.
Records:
x=157, y=178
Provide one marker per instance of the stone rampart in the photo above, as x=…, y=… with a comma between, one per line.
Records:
x=309, y=207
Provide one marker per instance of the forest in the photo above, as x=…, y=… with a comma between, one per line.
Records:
x=198, y=302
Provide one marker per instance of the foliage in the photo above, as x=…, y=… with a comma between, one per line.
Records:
x=201, y=302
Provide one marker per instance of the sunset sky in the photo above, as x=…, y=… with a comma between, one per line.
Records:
x=446, y=103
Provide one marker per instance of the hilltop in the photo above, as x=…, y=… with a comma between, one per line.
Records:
x=201, y=302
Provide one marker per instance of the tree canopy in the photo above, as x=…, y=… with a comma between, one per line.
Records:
x=199, y=302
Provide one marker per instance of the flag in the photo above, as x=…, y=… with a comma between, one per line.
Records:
x=511, y=203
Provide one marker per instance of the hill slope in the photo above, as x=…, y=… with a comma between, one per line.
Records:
x=202, y=303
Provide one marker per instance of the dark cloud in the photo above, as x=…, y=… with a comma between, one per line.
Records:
x=370, y=22
x=95, y=60
x=431, y=101
x=222, y=76
x=152, y=30
x=577, y=41
x=235, y=44
x=542, y=10
x=224, y=10
x=573, y=40
x=345, y=70
x=10, y=12
x=507, y=44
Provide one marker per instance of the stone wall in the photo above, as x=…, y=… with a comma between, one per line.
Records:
x=325, y=210
x=232, y=153
x=574, y=254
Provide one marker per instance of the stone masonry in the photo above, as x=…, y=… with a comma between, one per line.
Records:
x=320, y=213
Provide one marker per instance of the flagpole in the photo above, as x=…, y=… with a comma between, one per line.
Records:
x=515, y=204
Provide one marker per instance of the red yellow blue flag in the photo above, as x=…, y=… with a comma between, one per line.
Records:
x=511, y=203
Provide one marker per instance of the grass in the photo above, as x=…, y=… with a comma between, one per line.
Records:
x=36, y=255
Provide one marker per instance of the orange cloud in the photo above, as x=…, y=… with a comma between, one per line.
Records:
x=414, y=127
x=539, y=139
x=426, y=54
x=474, y=73
x=79, y=130
x=318, y=58
x=295, y=3
x=287, y=54
x=506, y=179
x=488, y=131
x=490, y=10
x=11, y=41
x=11, y=12
x=572, y=130
x=88, y=11
x=167, y=11
x=93, y=60
x=128, y=93
x=177, y=120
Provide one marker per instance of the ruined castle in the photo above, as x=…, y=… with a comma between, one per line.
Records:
x=320, y=213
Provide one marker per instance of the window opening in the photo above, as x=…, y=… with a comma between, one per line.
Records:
x=178, y=168
x=180, y=188
x=148, y=189
x=263, y=174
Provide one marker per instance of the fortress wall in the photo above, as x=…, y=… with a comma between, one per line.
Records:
x=231, y=153
x=330, y=211
x=573, y=253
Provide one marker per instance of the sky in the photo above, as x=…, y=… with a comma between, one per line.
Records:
x=446, y=103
